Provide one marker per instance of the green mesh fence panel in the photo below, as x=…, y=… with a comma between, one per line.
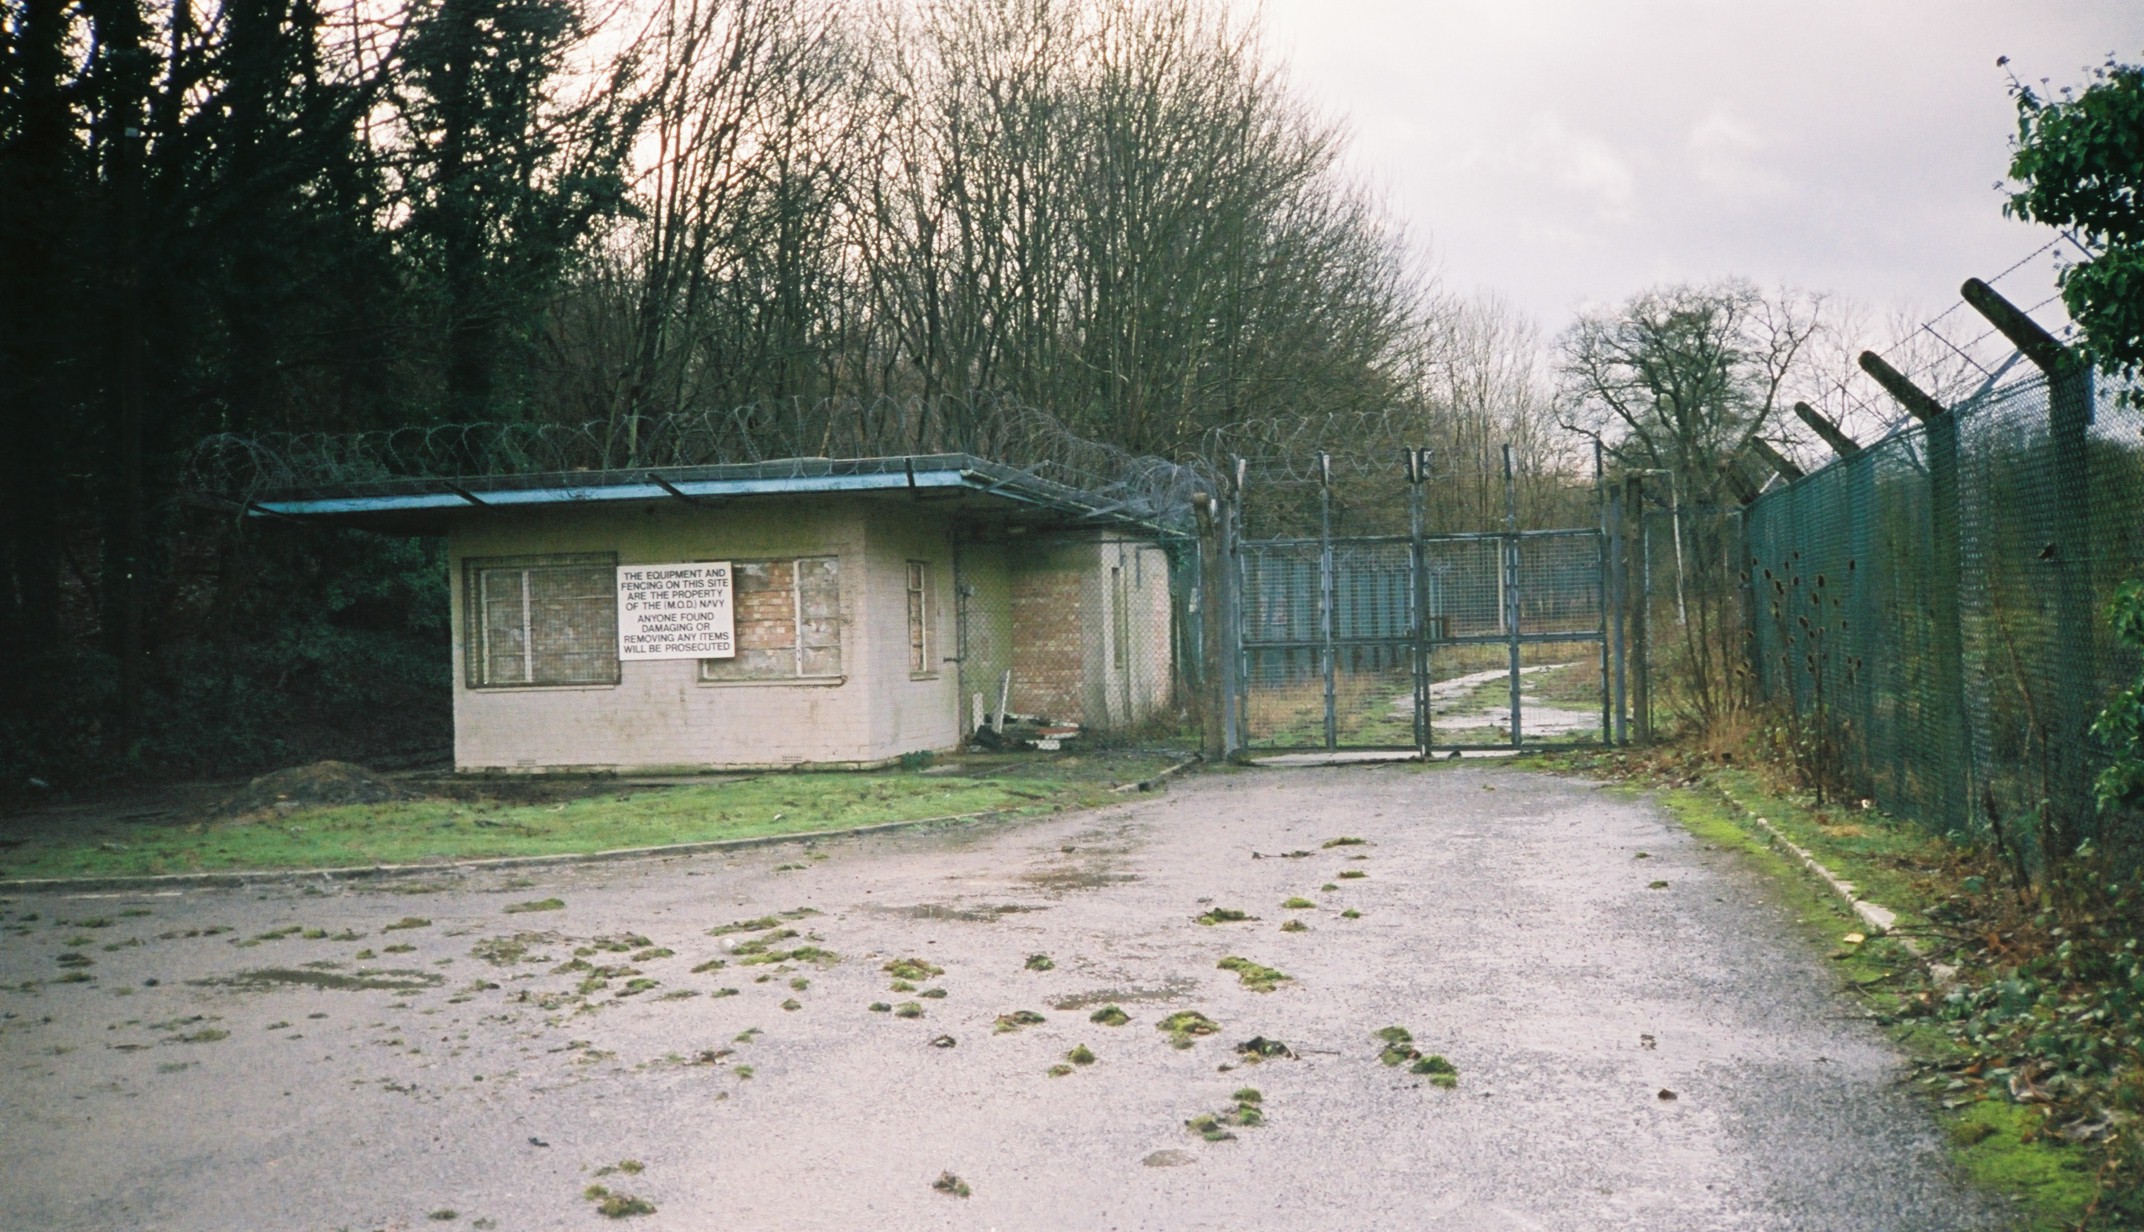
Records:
x=1943, y=652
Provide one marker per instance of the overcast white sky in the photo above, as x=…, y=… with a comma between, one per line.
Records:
x=1561, y=151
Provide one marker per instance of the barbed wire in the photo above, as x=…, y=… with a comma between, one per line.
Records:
x=777, y=437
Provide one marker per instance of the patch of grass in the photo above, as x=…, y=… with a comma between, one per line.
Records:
x=908, y=1009
x=712, y=964
x=1295, y=926
x=1252, y=975
x=433, y=828
x=1040, y=962
x=1258, y=1048
x=1222, y=915
x=1351, y=914
x=444, y=1214
x=1080, y=1055
x=1345, y=840
x=617, y=1205
x=1299, y=903
x=932, y=994
x=1059, y=1070
x=1327, y=888
x=408, y=921
x=1656, y=885
x=879, y=1007
x=1353, y=874
x=1016, y=1020
x=1110, y=1016
x=947, y=1183
x=540, y=904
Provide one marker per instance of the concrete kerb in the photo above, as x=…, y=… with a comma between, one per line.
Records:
x=240, y=878
x=1877, y=919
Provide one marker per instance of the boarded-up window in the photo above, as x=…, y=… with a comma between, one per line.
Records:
x=788, y=621
x=550, y=620
x=919, y=634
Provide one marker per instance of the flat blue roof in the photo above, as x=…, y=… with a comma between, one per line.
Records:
x=426, y=500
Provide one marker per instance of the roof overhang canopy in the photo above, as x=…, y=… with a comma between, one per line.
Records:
x=989, y=490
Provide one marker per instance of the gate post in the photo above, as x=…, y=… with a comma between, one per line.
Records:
x=1212, y=719
x=1640, y=597
x=1511, y=591
x=1618, y=580
x=1326, y=597
x=1418, y=597
x=1604, y=551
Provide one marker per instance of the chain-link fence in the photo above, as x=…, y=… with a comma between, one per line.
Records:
x=1929, y=613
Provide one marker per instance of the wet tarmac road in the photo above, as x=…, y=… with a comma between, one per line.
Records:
x=329, y=1078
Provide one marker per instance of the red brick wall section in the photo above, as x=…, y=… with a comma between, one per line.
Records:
x=1046, y=669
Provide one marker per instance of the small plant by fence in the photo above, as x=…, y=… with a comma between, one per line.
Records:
x=1929, y=614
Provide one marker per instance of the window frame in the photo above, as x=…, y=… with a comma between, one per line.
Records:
x=476, y=650
x=920, y=624
x=796, y=626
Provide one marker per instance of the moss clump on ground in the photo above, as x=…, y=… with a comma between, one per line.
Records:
x=1295, y=926
x=617, y=1205
x=1441, y=1073
x=1058, y=1071
x=1297, y=903
x=1252, y=975
x=1184, y=1026
x=1249, y=1110
x=908, y=1009
x=912, y=969
x=1352, y=874
x=1040, y=962
x=1222, y=915
x=541, y=904
x=1259, y=1048
x=879, y=1007
x=1110, y=1016
x=1399, y=1045
x=1016, y=1020
x=1080, y=1055
x=408, y=921
x=1346, y=840
x=947, y=1183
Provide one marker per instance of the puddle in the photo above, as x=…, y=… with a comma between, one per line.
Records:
x=1171, y=990
x=267, y=979
x=1076, y=879
x=975, y=915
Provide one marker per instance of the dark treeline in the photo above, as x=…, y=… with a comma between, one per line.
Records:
x=258, y=216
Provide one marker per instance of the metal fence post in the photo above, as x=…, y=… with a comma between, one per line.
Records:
x=2069, y=420
x=1326, y=597
x=1418, y=596
x=1212, y=732
x=1945, y=633
x=1237, y=698
x=1511, y=591
x=1604, y=548
x=1617, y=570
x=1640, y=597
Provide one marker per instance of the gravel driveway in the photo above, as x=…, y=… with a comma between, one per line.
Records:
x=210, y=1074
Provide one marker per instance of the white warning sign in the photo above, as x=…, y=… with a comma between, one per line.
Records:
x=676, y=612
